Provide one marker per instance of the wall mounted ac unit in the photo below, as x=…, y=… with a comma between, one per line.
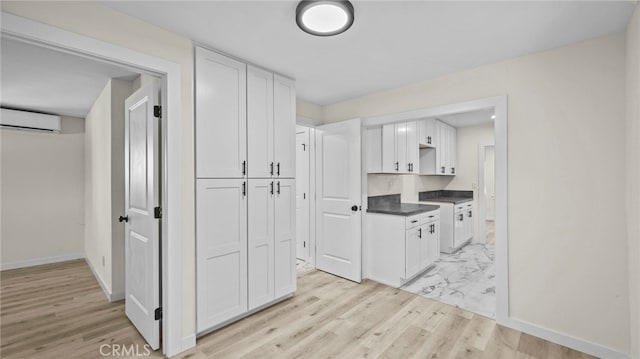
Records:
x=25, y=120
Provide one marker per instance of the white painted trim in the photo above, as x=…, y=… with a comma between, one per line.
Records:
x=449, y=109
x=40, y=261
x=312, y=196
x=566, y=340
x=189, y=341
x=101, y=282
x=30, y=30
x=307, y=121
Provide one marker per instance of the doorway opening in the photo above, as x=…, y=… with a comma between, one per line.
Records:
x=78, y=179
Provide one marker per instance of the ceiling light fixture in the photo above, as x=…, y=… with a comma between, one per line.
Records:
x=324, y=17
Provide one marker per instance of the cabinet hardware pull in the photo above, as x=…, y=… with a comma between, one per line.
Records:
x=244, y=168
x=272, y=188
x=470, y=214
x=414, y=221
x=244, y=189
x=278, y=187
x=442, y=171
x=278, y=168
x=271, y=168
x=419, y=232
x=461, y=216
x=453, y=170
x=397, y=166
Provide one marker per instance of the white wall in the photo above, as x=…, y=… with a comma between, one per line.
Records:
x=633, y=175
x=104, y=184
x=42, y=185
x=567, y=240
x=97, y=242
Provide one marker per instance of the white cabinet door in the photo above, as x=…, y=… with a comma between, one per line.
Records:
x=389, y=159
x=433, y=235
x=412, y=252
x=302, y=194
x=284, y=127
x=285, y=241
x=261, y=242
x=459, y=228
x=443, y=148
x=424, y=239
x=452, y=143
x=427, y=133
x=259, y=122
x=401, y=147
x=413, y=148
x=221, y=116
x=221, y=250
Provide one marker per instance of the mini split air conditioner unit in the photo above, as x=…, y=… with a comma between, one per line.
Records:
x=31, y=121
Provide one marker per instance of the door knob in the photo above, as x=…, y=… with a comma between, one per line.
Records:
x=354, y=208
x=123, y=219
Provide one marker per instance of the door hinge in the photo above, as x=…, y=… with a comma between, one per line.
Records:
x=158, y=313
x=157, y=111
x=157, y=212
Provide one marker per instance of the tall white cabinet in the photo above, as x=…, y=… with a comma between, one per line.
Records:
x=245, y=189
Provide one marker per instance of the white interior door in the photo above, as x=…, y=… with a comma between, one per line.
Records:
x=339, y=216
x=302, y=194
x=142, y=229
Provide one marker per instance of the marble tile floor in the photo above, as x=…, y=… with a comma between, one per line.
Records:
x=303, y=267
x=465, y=279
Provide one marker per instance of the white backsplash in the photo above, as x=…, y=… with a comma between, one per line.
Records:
x=407, y=185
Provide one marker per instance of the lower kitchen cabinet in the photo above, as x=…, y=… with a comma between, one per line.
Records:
x=399, y=248
x=245, y=244
x=456, y=227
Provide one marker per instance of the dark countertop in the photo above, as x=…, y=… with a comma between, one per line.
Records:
x=390, y=204
x=446, y=196
x=454, y=200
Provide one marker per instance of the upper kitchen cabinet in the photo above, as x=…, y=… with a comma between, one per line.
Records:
x=221, y=116
x=441, y=159
x=399, y=148
x=284, y=127
x=260, y=122
x=427, y=132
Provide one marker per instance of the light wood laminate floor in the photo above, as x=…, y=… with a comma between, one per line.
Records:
x=59, y=311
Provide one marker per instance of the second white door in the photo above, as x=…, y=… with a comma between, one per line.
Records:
x=338, y=183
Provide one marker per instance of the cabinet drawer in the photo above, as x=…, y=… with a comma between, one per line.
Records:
x=413, y=221
x=429, y=217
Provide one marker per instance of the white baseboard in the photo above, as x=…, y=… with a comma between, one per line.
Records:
x=189, y=342
x=116, y=297
x=566, y=340
x=103, y=285
x=40, y=261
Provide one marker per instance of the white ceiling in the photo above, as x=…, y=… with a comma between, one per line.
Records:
x=468, y=119
x=391, y=43
x=40, y=79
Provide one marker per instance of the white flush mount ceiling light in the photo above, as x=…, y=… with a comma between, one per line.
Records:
x=324, y=17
